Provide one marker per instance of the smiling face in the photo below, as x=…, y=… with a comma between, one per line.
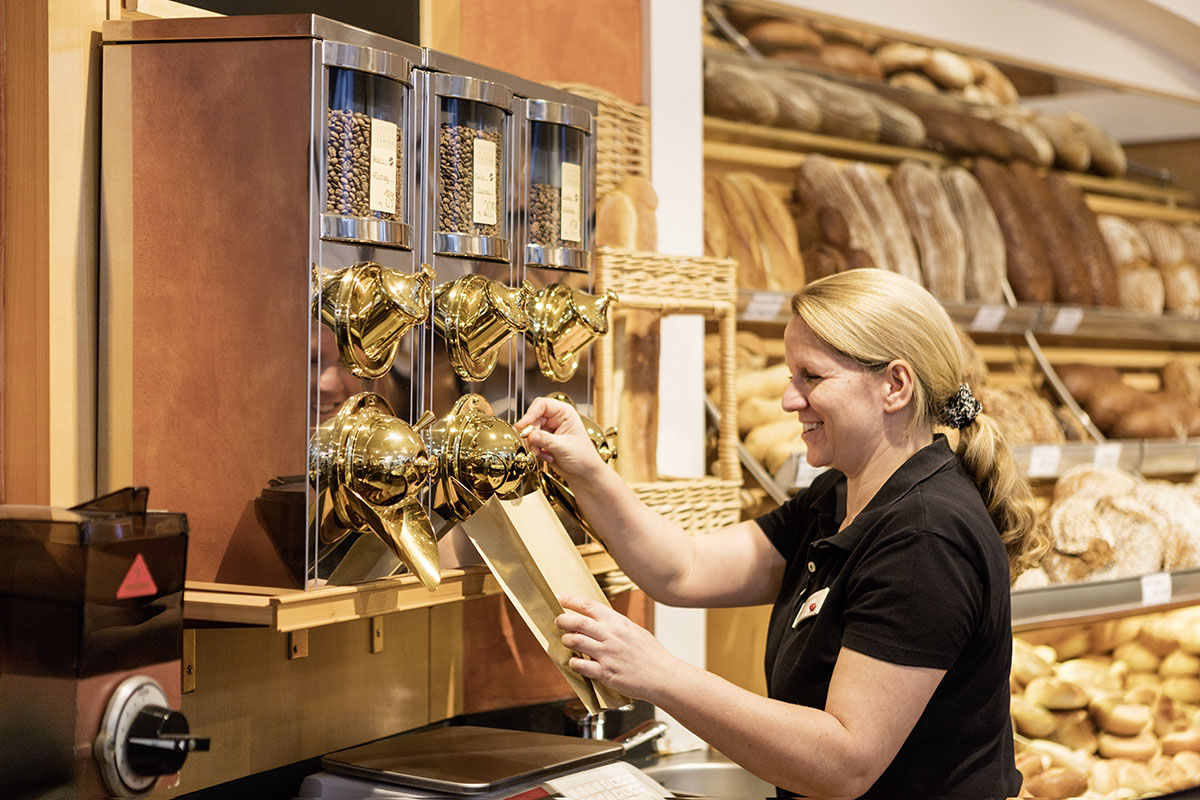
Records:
x=840, y=402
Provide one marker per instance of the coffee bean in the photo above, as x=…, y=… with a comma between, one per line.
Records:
x=456, y=170
x=348, y=166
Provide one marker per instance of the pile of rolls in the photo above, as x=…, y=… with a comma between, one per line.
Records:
x=1122, y=411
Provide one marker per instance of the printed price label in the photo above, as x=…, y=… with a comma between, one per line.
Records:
x=383, y=166
x=805, y=472
x=1156, y=589
x=486, y=176
x=1107, y=454
x=1066, y=321
x=571, y=212
x=764, y=307
x=988, y=318
x=1043, y=460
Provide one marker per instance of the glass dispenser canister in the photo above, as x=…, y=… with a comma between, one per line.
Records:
x=472, y=175
x=559, y=186
x=366, y=172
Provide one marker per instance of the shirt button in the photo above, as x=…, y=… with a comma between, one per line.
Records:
x=812, y=566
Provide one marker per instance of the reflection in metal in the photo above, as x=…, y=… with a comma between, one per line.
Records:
x=476, y=315
x=478, y=455
x=562, y=323
x=555, y=486
x=375, y=467
x=370, y=307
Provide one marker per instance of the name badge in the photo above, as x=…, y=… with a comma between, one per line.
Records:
x=811, y=607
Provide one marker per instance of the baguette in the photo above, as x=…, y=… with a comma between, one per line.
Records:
x=822, y=184
x=985, y=242
x=937, y=233
x=886, y=217
x=716, y=224
x=776, y=233
x=844, y=111
x=1082, y=227
x=1072, y=284
x=1029, y=274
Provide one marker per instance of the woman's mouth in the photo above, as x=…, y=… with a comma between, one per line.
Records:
x=812, y=426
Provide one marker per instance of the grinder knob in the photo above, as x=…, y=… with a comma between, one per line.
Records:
x=158, y=741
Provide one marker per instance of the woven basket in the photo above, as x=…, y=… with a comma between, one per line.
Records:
x=622, y=136
x=679, y=285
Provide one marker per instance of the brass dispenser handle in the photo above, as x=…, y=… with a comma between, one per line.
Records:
x=562, y=323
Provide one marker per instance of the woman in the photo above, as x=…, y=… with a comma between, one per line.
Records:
x=889, y=645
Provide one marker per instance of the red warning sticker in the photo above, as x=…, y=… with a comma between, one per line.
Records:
x=138, y=581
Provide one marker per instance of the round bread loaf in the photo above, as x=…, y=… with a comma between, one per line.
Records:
x=772, y=35
x=1056, y=694
x=1140, y=288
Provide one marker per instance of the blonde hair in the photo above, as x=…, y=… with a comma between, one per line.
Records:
x=875, y=317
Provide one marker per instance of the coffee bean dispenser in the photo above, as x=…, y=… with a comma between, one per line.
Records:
x=558, y=187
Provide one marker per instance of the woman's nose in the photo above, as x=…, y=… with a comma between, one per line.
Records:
x=331, y=382
x=792, y=400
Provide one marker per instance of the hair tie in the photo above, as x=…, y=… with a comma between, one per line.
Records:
x=961, y=408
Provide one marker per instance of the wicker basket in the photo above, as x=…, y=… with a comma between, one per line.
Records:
x=622, y=136
x=679, y=285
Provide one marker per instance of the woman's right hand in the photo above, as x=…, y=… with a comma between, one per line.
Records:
x=560, y=438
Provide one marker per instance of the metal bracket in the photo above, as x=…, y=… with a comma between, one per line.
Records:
x=297, y=644
x=376, y=634
x=188, y=671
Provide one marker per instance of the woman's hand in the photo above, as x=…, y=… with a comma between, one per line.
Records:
x=560, y=438
x=620, y=654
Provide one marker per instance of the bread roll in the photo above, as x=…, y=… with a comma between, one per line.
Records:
x=780, y=451
x=913, y=81
x=948, y=69
x=1083, y=230
x=1178, y=741
x=1072, y=284
x=884, y=214
x=734, y=92
x=1179, y=664
x=1142, y=747
x=898, y=56
x=769, y=382
x=760, y=439
x=939, y=238
x=989, y=77
x=851, y=60
x=1056, y=694
x=1029, y=273
x=771, y=35
x=821, y=183
x=1185, y=689
x=754, y=412
x=1030, y=718
x=1140, y=288
x=1115, y=716
x=1075, y=730
x=985, y=274
x=1056, y=783
x=1181, y=289
x=1070, y=149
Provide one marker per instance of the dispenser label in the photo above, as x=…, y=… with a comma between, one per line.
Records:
x=486, y=178
x=572, y=203
x=383, y=166
x=138, y=581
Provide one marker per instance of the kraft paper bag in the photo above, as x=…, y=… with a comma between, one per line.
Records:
x=533, y=558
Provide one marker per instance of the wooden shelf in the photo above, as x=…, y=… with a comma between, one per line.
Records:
x=1077, y=603
x=292, y=609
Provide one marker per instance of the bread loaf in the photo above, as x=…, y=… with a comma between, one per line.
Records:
x=823, y=260
x=820, y=183
x=1028, y=273
x=1166, y=244
x=851, y=60
x=1140, y=288
x=774, y=231
x=1085, y=382
x=884, y=214
x=797, y=110
x=832, y=32
x=1042, y=149
x=897, y=124
x=1181, y=289
x=637, y=411
x=743, y=236
x=734, y=92
x=988, y=76
x=1190, y=232
x=772, y=35
x=913, y=81
x=760, y=439
x=939, y=237
x=1125, y=242
x=616, y=221
x=985, y=243
x=1070, y=149
x=1182, y=377
x=844, y=111
x=1072, y=284
x=754, y=412
x=716, y=224
x=898, y=56
x=833, y=228
x=1082, y=228
x=1107, y=155
x=948, y=69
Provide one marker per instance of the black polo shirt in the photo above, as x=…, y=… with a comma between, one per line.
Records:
x=919, y=578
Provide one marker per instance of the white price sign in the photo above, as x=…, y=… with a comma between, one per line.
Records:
x=1156, y=589
x=988, y=318
x=1066, y=321
x=1043, y=460
x=764, y=307
x=1107, y=455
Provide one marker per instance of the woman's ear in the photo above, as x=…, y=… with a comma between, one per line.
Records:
x=899, y=381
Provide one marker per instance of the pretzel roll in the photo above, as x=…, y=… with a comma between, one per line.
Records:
x=1179, y=663
x=1183, y=689
x=1056, y=694
x=1142, y=747
x=1031, y=719
x=1056, y=783
x=1116, y=716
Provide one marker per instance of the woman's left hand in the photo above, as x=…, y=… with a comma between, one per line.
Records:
x=620, y=654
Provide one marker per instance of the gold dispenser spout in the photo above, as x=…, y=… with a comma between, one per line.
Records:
x=375, y=467
x=478, y=456
x=370, y=307
x=476, y=315
x=562, y=323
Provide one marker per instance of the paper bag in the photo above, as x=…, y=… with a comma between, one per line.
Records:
x=533, y=558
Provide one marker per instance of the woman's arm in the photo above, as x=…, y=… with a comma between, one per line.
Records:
x=734, y=566
x=841, y=751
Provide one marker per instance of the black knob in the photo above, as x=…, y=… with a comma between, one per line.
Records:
x=158, y=741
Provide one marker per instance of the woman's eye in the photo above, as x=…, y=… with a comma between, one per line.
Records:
x=809, y=377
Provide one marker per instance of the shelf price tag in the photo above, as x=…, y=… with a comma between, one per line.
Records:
x=1107, y=455
x=1156, y=589
x=764, y=307
x=1043, y=460
x=805, y=473
x=988, y=318
x=1066, y=321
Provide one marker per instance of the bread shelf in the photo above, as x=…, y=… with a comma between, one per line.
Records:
x=290, y=609
x=1077, y=603
x=1060, y=324
x=1048, y=462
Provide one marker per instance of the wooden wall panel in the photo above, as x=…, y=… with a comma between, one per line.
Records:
x=591, y=41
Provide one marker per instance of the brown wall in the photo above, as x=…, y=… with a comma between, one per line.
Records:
x=1181, y=157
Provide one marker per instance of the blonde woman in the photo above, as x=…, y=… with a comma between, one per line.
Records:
x=889, y=644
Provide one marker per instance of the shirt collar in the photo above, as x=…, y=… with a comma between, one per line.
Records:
x=831, y=506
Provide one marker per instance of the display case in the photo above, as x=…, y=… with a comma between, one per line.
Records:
x=558, y=191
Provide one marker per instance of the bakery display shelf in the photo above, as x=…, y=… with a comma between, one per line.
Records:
x=295, y=609
x=1051, y=461
x=1062, y=323
x=1091, y=601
